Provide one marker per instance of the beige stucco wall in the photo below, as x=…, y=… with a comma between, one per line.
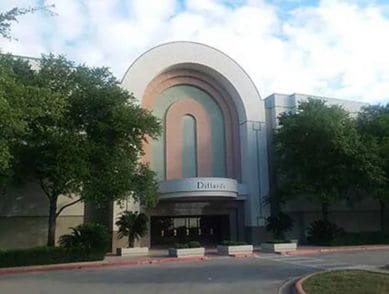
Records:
x=23, y=216
x=30, y=231
x=22, y=232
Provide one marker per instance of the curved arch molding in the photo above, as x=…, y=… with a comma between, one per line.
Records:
x=210, y=60
x=161, y=88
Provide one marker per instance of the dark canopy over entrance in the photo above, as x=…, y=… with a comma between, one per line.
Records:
x=206, y=221
x=207, y=229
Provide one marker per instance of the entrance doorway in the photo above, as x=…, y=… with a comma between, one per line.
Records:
x=207, y=229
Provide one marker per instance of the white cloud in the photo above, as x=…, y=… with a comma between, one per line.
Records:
x=337, y=48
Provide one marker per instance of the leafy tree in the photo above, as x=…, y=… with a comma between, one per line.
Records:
x=321, y=157
x=72, y=127
x=11, y=116
x=82, y=136
x=55, y=152
x=108, y=130
x=373, y=124
x=116, y=128
x=133, y=225
x=19, y=97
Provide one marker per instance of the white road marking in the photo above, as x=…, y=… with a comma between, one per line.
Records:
x=306, y=261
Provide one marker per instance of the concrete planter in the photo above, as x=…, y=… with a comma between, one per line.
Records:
x=186, y=252
x=278, y=247
x=234, y=249
x=136, y=251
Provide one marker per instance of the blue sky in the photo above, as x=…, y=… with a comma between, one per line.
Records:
x=334, y=48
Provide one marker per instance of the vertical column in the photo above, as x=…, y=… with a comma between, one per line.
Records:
x=255, y=176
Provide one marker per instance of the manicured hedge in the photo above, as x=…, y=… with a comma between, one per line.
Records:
x=46, y=255
x=363, y=238
x=279, y=241
x=348, y=239
x=191, y=244
x=232, y=243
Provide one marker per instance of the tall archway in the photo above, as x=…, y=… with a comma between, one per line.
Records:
x=204, y=97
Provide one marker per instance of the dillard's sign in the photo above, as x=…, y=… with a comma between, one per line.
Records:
x=200, y=185
x=193, y=187
x=209, y=185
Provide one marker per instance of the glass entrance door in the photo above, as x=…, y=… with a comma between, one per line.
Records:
x=207, y=229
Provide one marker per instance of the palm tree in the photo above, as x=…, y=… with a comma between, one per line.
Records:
x=133, y=225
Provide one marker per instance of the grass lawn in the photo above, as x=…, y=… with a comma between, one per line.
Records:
x=347, y=281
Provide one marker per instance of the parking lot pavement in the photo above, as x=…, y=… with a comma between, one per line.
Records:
x=264, y=274
x=226, y=275
x=333, y=260
x=371, y=258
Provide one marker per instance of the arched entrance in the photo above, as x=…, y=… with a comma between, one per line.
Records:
x=210, y=111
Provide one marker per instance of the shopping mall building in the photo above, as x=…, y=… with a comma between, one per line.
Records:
x=212, y=159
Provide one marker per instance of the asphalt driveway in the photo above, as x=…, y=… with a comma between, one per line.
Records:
x=264, y=274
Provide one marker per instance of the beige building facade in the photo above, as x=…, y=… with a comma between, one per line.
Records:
x=212, y=160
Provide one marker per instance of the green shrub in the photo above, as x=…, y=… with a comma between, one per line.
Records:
x=180, y=245
x=278, y=241
x=191, y=244
x=89, y=237
x=194, y=244
x=233, y=243
x=321, y=232
x=46, y=255
x=279, y=224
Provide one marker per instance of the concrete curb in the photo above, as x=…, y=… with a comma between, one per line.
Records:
x=298, y=286
x=95, y=265
x=336, y=249
x=288, y=286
